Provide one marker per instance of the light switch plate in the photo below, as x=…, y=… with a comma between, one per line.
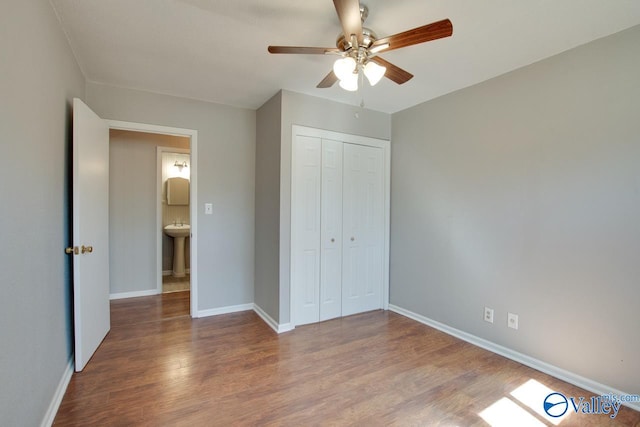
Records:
x=512, y=320
x=208, y=208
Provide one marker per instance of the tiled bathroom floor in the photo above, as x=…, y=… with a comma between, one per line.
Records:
x=175, y=284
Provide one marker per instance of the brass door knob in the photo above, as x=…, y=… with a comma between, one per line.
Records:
x=86, y=249
x=72, y=250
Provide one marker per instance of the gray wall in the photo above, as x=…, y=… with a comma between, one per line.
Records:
x=522, y=194
x=132, y=209
x=38, y=79
x=225, y=168
x=299, y=109
x=267, y=221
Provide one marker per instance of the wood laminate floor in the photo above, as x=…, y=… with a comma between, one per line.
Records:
x=159, y=367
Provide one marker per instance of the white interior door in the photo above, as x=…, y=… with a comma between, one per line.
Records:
x=90, y=232
x=331, y=231
x=363, y=229
x=305, y=237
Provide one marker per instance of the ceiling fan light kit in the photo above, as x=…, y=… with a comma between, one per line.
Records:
x=374, y=72
x=350, y=83
x=347, y=70
x=343, y=68
x=359, y=48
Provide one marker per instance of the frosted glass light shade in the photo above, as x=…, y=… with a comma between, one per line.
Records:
x=350, y=83
x=374, y=72
x=344, y=67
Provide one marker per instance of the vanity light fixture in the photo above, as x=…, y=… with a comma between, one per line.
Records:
x=181, y=165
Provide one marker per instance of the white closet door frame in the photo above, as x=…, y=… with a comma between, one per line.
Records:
x=385, y=145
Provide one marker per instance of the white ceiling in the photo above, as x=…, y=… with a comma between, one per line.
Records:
x=216, y=50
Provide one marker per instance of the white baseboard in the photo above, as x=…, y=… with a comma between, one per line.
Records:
x=225, y=310
x=279, y=328
x=562, y=374
x=134, y=294
x=264, y=316
x=246, y=307
x=50, y=415
x=285, y=327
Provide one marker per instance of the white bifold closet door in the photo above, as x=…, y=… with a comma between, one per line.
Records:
x=305, y=233
x=331, y=231
x=363, y=229
x=337, y=229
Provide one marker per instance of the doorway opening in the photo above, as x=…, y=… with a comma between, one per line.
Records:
x=146, y=158
x=174, y=183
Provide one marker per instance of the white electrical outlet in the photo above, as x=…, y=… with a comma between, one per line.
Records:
x=208, y=208
x=488, y=314
x=512, y=321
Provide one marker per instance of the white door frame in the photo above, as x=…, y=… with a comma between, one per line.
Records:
x=193, y=194
x=385, y=144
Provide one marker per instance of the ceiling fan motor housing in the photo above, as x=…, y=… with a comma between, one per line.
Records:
x=368, y=37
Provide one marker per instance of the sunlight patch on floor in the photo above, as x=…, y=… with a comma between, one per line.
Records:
x=516, y=409
x=532, y=394
x=506, y=413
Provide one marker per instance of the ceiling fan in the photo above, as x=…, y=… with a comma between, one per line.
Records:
x=359, y=47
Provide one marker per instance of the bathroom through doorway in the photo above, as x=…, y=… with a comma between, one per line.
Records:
x=137, y=226
x=175, y=210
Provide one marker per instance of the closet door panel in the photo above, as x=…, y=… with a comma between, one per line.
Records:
x=363, y=229
x=306, y=197
x=331, y=231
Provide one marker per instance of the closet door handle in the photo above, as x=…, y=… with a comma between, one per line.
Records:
x=353, y=238
x=333, y=240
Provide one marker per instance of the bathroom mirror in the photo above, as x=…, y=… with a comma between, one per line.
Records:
x=177, y=191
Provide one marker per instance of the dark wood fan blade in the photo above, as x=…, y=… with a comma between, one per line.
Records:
x=328, y=81
x=433, y=31
x=349, y=15
x=393, y=72
x=302, y=49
